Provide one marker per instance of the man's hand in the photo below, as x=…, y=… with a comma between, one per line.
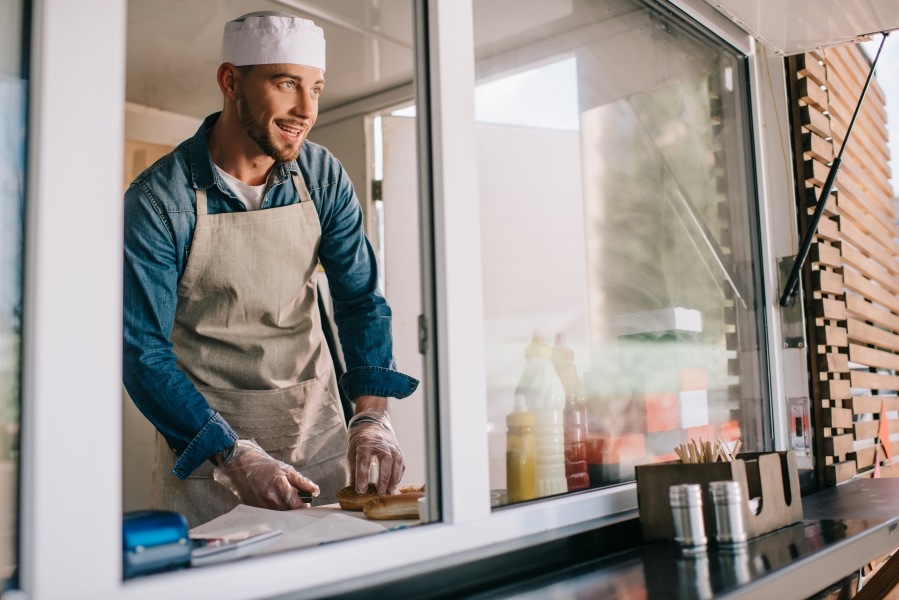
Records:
x=259, y=480
x=371, y=437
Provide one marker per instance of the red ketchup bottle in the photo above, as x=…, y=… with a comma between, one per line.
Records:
x=575, y=416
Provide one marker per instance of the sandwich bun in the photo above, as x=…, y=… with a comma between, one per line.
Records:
x=350, y=499
x=412, y=488
x=396, y=506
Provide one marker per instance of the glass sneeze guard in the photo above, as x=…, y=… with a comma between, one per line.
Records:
x=619, y=235
x=12, y=219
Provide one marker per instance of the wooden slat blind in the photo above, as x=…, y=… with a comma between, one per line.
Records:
x=852, y=288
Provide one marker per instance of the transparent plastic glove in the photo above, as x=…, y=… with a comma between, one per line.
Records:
x=259, y=480
x=371, y=438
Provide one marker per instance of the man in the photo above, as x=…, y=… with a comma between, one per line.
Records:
x=223, y=345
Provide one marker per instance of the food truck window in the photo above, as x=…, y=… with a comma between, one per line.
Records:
x=12, y=219
x=171, y=88
x=620, y=240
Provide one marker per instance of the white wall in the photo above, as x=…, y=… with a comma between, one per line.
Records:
x=534, y=269
x=403, y=284
x=155, y=126
x=348, y=141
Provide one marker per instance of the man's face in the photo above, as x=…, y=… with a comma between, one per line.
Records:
x=277, y=106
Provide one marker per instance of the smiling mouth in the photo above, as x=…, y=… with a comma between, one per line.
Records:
x=291, y=131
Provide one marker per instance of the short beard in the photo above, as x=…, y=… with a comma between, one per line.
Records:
x=261, y=135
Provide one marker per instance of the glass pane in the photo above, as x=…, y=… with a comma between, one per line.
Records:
x=333, y=307
x=622, y=302
x=12, y=219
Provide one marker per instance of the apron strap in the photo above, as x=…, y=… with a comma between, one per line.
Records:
x=300, y=186
x=201, y=202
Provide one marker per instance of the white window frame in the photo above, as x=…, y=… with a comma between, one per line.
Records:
x=71, y=455
x=72, y=328
x=788, y=367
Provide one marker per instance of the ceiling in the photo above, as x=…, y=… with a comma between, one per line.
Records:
x=794, y=26
x=174, y=49
x=174, y=46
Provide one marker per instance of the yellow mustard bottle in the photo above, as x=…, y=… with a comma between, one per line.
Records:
x=521, y=454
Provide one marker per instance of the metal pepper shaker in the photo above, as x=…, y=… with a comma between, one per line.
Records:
x=727, y=498
x=686, y=512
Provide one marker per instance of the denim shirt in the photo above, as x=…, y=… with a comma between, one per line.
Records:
x=160, y=216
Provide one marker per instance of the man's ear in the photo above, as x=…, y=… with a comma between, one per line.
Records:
x=227, y=77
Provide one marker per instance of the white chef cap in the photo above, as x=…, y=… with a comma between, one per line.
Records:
x=268, y=37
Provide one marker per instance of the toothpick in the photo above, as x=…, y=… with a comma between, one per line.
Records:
x=726, y=449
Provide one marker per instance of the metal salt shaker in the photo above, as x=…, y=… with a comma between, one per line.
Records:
x=727, y=498
x=686, y=511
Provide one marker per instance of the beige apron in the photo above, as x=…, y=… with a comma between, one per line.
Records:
x=248, y=334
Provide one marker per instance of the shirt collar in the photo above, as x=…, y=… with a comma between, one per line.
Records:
x=201, y=168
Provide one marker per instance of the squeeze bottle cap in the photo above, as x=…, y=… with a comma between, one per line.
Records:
x=561, y=352
x=519, y=417
x=538, y=348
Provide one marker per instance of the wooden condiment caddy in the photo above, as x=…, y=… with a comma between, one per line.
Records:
x=773, y=477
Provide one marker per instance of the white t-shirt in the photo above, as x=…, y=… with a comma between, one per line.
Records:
x=250, y=195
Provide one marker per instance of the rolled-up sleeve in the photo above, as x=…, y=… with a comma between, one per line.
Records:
x=362, y=314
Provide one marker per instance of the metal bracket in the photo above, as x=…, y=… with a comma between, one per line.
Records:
x=792, y=319
x=376, y=190
x=800, y=426
x=422, y=334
